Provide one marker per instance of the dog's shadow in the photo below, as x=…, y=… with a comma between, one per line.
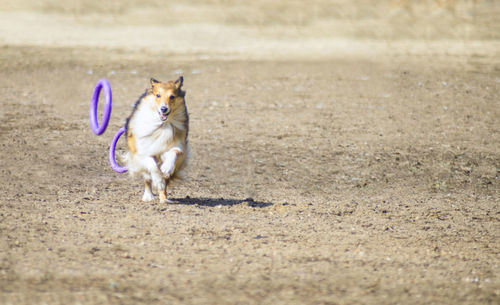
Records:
x=213, y=202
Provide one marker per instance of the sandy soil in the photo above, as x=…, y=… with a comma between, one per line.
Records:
x=342, y=154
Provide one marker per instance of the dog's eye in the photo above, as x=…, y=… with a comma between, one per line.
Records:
x=172, y=97
x=157, y=95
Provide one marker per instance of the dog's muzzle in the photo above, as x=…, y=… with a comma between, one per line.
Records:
x=164, y=112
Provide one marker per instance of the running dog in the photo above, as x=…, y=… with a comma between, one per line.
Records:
x=157, y=137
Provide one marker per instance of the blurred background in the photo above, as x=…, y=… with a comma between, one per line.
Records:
x=260, y=28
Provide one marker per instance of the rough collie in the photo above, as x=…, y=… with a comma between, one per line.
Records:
x=157, y=137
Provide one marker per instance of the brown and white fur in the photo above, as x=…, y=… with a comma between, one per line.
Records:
x=157, y=132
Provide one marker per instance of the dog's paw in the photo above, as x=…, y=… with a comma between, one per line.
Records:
x=167, y=169
x=148, y=196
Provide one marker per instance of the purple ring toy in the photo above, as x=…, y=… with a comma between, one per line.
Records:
x=94, y=124
x=112, y=147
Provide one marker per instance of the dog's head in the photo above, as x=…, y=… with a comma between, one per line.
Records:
x=168, y=96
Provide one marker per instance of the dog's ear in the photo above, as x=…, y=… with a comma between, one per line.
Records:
x=153, y=82
x=178, y=83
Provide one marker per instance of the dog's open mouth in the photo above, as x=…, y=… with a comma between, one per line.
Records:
x=163, y=116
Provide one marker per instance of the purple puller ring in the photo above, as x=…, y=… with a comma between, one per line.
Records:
x=94, y=124
x=112, y=147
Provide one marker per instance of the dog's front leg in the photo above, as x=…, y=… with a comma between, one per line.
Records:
x=151, y=166
x=163, y=194
x=169, y=160
x=148, y=193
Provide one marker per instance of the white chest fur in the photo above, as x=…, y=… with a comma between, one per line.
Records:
x=157, y=142
x=153, y=136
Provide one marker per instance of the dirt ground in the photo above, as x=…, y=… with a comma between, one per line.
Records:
x=341, y=153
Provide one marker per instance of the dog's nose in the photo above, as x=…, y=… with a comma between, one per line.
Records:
x=164, y=109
